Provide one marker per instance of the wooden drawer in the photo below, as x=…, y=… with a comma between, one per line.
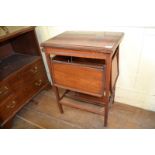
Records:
x=15, y=81
x=35, y=78
x=32, y=70
x=79, y=74
x=8, y=108
x=35, y=84
x=5, y=91
x=25, y=77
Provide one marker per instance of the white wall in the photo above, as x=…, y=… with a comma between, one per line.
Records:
x=136, y=83
x=44, y=33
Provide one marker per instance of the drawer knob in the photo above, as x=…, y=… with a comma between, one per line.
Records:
x=38, y=83
x=34, y=70
x=4, y=90
x=11, y=105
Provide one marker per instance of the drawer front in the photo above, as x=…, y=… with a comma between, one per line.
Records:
x=5, y=91
x=33, y=70
x=34, y=78
x=12, y=103
x=9, y=108
x=34, y=85
x=15, y=81
x=26, y=77
x=79, y=78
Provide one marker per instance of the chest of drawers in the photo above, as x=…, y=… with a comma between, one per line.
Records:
x=22, y=72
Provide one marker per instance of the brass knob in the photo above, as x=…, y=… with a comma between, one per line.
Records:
x=38, y=83
x=4, y=90
x=34, y=70
x=11, y=105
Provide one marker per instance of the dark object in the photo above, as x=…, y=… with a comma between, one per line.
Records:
x=87, y=66
x=22, y=73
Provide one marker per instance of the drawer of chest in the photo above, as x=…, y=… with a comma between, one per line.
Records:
x=26, y=76
x=34, y=85
x=8, y=108
x=5, y=91
x=79, y=74
x=33, y=70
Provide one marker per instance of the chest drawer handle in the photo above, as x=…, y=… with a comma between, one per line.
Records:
x=34, y=70
x=12, y=105
x=39, y=83
x=4, y=90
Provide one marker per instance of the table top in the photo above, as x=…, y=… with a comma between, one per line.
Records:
x=105, y=42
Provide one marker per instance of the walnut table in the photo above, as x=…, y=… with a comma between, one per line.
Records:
x=86, y=65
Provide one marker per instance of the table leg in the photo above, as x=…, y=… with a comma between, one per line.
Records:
x=58, y=98
x=113, y=96
x=106, y=114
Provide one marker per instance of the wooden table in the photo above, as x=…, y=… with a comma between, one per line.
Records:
x=86, y=64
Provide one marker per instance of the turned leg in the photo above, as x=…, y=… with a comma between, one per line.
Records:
x=58, y=98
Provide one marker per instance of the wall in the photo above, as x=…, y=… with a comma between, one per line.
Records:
x=136, y=83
